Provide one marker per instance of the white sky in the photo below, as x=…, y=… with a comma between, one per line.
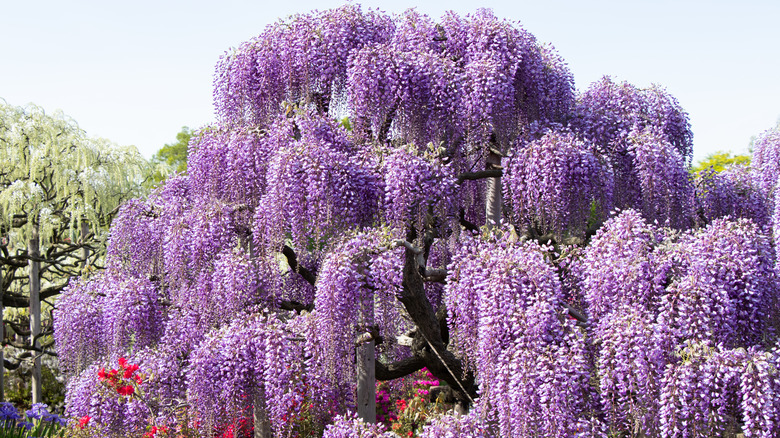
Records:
x=136, y=72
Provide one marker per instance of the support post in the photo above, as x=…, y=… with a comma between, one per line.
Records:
x=366, y=381
x=260, y=416
x=35, y=311
x=493, y=196
x=261, y=424
x=2, y=338
x=84, y=250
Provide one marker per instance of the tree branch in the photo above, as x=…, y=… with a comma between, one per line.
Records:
x=480, y=174
x=428, y=343
x=296, y=306
x=398, y=369
x=292, y=260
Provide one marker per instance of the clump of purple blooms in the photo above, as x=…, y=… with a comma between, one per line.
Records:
x=341, y=197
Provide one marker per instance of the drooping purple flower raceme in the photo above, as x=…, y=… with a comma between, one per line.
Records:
x=287, y=62
x=314, y=190
x=711, y=391
x=349, y=426
x=727, y=287
x=132, y=314
x=417, y=185
x=450, y=426
x=629, y=366
x=608, y=114
x=666, y=189
x=229, y=165
x=557, y=184
x=252, y=360
x=502, y=298
x=135, y=240
x=78, y=325
x=619, y=266
x=731, y=192
x=344, y=304
x=766, y=161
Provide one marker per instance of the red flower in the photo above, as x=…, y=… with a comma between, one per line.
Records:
x=83, y=421
x=153, y=432
x=125, y=390
x=138, y=379
x=129, y=371
x=122, y=362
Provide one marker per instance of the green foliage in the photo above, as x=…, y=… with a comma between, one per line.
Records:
x=19, y=391
x=39, y=429
x=60, y=188
x=173, y=156
x=720, y=160
x=54, y=176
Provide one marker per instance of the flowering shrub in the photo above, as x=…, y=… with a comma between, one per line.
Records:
x=38, y=422
x=411, y=410
x=122, y=382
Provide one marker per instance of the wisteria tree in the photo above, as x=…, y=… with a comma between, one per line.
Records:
x=59, y=190
x=544, y=254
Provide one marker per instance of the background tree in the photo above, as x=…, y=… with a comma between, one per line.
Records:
x=720, y=160
x=258, y=288
x=59, y=191
x=174, y=155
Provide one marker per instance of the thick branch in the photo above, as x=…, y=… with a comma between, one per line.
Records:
x=398, y=369
x=435, y=275
x=466, y=224
x=16, y=300
x=19, y=220
x=576, y=314
x=428, y=343
x=296, y=306
x=414, y=300
x=292, y=260
x=31, y=348
x=14, y=365
x=480, y=174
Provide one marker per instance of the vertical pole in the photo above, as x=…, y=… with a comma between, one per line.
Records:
x=2, y=338
x=493, y=196
x=259, y=415
x=261, y=424
x=84, y=250
x=364, y=357
x=366, y=382
x=35, y=311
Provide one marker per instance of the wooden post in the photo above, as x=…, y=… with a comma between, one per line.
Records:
x=493, y=195
x=261, y=424
x=366, y=381
x=35, y=311
x=259, y=415
x=84, y=250
x=2, y=338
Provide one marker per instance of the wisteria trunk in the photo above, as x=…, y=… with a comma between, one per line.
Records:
x=35, y=312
